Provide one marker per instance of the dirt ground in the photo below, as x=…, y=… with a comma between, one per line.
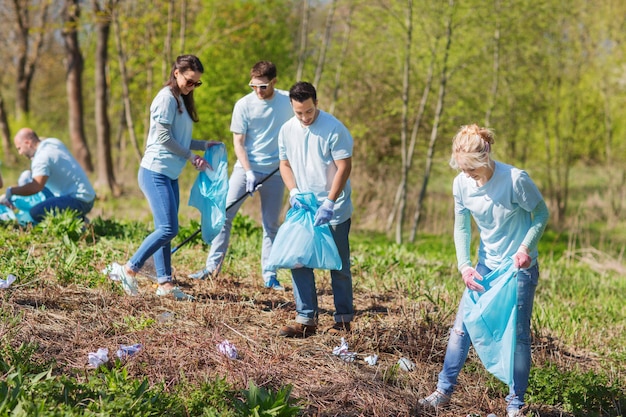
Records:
x=180, y=338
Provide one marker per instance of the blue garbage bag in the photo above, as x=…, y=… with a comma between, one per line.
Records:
x=6, y=214
x=300, y=244
x=208, y=193
x=491, y=320
x=27, y=202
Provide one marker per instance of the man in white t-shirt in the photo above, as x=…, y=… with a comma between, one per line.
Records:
x=256, y=120
x=315, y=151
x=52, y=167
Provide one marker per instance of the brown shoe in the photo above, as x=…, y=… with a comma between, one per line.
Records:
x=297, y=330
x=339, y=329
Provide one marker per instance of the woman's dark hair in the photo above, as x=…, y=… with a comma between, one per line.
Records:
x=183, y=64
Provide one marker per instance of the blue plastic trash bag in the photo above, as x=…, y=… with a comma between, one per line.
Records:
x=299, y=244
x=491, y=320
x=6, y=214
x=209, y=191
x=26, y=202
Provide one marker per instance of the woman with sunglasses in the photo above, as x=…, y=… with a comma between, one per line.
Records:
x=169, y=146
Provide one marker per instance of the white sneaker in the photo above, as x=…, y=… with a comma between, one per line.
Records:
x=175, y=292
x=435, y=400
x=514, y=413
x=117, y=272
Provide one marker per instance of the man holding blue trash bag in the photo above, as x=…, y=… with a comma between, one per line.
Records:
x=511, y=215
x=315, y=151
x=52, y=167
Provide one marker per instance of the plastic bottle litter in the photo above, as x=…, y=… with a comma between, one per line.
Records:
x=228, y=349
x=6, y=283
x=98, y=358
x=343, y=353
x=126, y=351
x=165, y=317
x=491, y=415
x=406, y=365
x=371, y=359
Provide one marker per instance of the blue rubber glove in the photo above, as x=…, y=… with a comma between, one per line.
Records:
x=324, y=212
x=250, y=181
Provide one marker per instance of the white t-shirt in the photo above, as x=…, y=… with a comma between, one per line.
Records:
x=164, y=110
x=501, y=209
x=65, y=175
x=260, y=121
x=312, y=151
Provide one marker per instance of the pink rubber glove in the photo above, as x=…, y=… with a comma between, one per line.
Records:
x=521, y=260
x=199, y=163
x=469, y=276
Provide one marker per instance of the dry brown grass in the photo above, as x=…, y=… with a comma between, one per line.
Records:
x=69, y=322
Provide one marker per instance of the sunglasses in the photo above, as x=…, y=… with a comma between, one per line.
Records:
x=192, y=83
x=259, y=86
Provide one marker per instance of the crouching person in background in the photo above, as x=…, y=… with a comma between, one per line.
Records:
x=53, y=168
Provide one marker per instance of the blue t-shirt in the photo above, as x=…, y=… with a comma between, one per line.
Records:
x=260, y=121
x=312, y=151
x=501, y=209
x=65, y=175
x=164, y=110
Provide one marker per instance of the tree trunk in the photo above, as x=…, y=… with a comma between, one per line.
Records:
x=496, y=66
x=121, y=59
x=414, y=131
x=27, y=54
x=74, y=84
x=344, y=51
x=435, y=129
x=404, y=126
x=5, y=134
x=325, y=41
x=304, y=30
x=103, y=128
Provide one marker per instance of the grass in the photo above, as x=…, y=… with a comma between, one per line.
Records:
x=406, y=296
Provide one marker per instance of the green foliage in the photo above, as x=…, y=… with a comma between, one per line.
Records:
x=261, y=402
x=582, y=393
x=212, y=398
x=126, y=230
x=65, y=225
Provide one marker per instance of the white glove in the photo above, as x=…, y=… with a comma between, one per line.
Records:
x=250, y=181
x=470, y=275
x=293, y=201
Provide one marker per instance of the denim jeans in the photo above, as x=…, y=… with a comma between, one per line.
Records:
x=304, y=290
x=39, y=211
x=459, y=342
x=271, y=193
x=162, y=194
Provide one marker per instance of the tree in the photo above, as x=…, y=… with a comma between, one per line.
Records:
x=74, y=84
x=102, y=14
x=29, y=38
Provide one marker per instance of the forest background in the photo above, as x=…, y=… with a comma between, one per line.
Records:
x=548, y=77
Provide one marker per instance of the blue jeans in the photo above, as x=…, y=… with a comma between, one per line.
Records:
x=39, y=211
x=304, y=290
x=459, y=342
x=162, y=194
x=271, y=193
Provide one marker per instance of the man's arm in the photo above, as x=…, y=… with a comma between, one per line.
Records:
x=344, y=167
x=287, y=175
x=240, y=150
x=31, y=188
